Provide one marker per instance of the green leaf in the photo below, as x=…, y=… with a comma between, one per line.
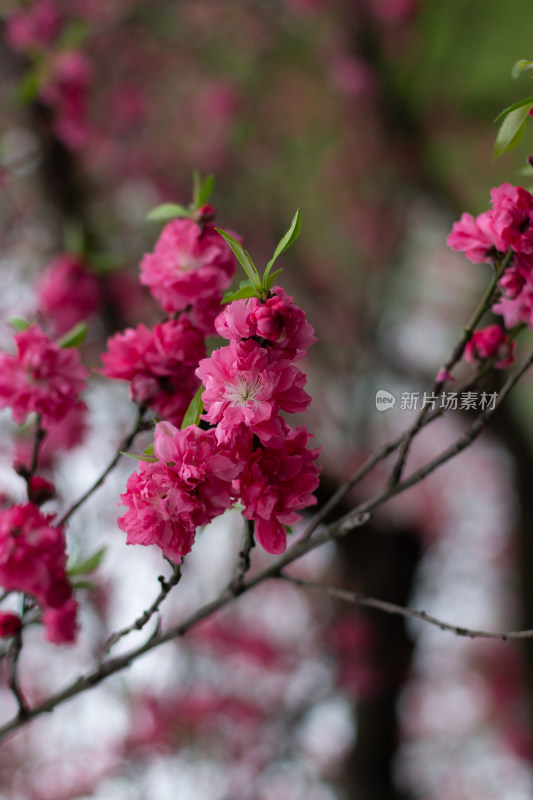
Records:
x=289, y=238
x=244, y=259
x=206, y=190
x=196, y=407
x=139, y=457
x=18, y=324
x=239, y=294
x=526, y=101
x=74, y=35
x=89, y=565
x=511, y=130
x=520, y=66
x=74, y=239
x=28, y=87
x=75, y=337
x=84, y=585
x=196, y=187
x=167, y=211
x=149, y=451
x=270, y=279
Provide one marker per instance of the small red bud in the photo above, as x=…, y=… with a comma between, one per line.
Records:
x=40, y=490
x=204, y=214
x=9, y=624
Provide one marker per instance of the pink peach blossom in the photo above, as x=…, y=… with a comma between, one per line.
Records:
x=276, y=320
x=277, y=482
x=190, y=262
x=246, y=384
x=42, y=378
x=491, y=342
x=159, y=364
x=190, y=486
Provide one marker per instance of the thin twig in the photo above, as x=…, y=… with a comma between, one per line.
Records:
x=357, y=598
x=244, y=556
x=126, y=444
x=457, y=353
x=40, y=434
x=382, y=454
x=146, y=616
x=13, y=682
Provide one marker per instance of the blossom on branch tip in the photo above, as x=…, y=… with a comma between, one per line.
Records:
x=508, y=224
x=276, y=320
x=491, y=342
x=189, y=263
x=42, y=378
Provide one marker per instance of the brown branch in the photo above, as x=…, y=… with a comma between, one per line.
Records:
x=126, y=444
x=336, y=530
x=456, y=355
x=147, y=615
x=244, y=557
x=13, y=682
x=357, y=598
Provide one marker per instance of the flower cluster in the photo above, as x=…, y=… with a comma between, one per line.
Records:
x=187, y=487
x=43, y=378
x=159, y=365
x=32, y=560
x=249, y=451
x=506, y=228
x=507, y=224
x=247, y=384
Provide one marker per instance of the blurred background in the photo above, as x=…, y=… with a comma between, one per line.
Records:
x=375, y=118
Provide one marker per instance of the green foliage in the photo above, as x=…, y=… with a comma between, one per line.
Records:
x=18, y=324
x=75, y=337
x=254, y=285
x=167, y=211
x=74, y=239
x=202, y=190
x=74, y=35
x=139, y=457
x=28, y=88
x=244, y=291
x=196, y=407
x=520, y=66
x=245, y=261
x=87, y=565
x=284, y=243
x=512, y=128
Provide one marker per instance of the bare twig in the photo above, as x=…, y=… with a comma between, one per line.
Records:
x=40, y=434
x=357, y=598
x=13, y=682
x=244, y=556
x=146, y=616
x=126, y=444
x=456, y=355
